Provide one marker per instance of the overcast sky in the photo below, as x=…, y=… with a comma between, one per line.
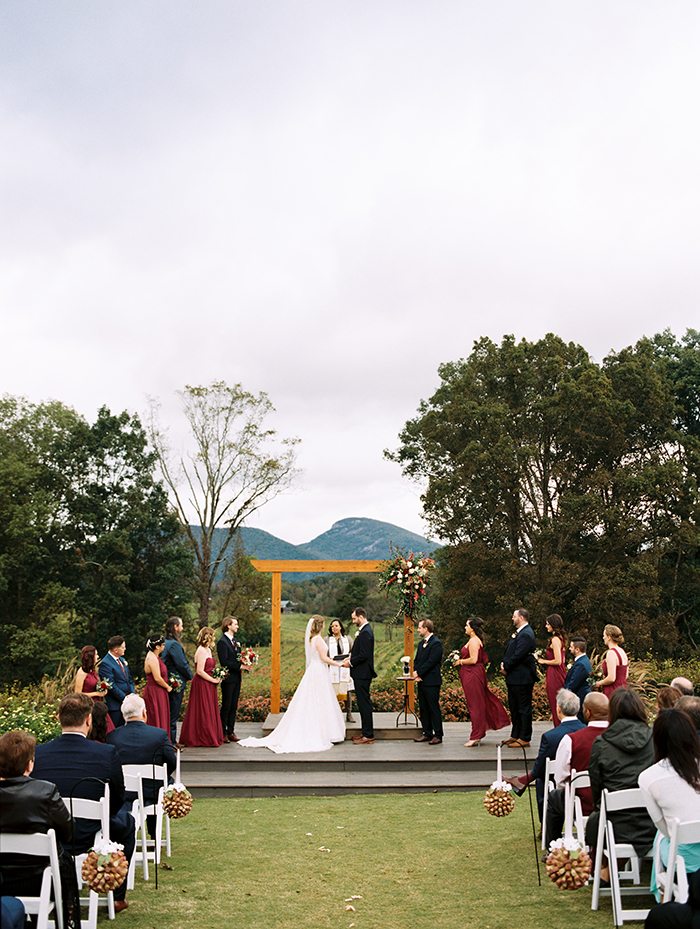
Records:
x=326, y=200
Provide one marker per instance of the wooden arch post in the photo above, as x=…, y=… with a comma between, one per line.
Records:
x=277, y=568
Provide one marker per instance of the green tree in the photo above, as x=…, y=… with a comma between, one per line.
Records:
x=88, y=544
x=551, y=477
x=353, y=594
x=245, y=593
x=233, y=470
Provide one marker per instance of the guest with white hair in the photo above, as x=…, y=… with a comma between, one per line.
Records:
x=139, y=743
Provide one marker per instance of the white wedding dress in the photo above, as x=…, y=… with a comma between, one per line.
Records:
x=313, y=721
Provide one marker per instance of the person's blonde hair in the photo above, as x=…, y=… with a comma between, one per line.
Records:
x=317, y=624
x=615, y=633
x=205, y=636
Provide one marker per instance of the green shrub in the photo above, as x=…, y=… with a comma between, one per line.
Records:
x=19, y=710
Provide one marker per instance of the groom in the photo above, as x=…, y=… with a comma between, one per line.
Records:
x=361, y=664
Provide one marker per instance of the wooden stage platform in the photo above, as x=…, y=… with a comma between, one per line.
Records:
x=394, y=763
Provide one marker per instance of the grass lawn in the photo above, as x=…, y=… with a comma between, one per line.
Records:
x=416, y=862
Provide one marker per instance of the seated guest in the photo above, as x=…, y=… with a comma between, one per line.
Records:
x=71, y=759
x=28, y=805
x=672, y=785
x=667, y=697
x=618, y=756
x=678, y=915
x=684, y=685
x=100, y=723
x=691, y=707
x=567, y=708
x=139, y=743
x=12, y=915
x=580, y=671
x=574, y=754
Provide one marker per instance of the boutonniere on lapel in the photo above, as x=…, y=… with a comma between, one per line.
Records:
x=514, y=635
x=125, y=663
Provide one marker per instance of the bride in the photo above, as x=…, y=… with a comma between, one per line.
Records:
x=313, y=721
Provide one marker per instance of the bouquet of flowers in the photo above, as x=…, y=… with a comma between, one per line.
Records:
x=104, y=685
x=406, y=575
x=248, y=657
x=568, y=863
x=174, y=682
x=452, y=657
x=219, y=673
x=105, y=867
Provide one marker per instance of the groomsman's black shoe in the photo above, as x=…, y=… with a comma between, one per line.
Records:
x=423, y=738
x=434, y=741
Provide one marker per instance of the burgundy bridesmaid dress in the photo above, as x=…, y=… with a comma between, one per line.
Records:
x=202, y=723
x=620, y=675
x=89, y=686
x=157, y=702
x=485, y=709
x=554, y=681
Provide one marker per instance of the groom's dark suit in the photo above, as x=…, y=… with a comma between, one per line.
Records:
x=229, y=653
x=117, y=672
x=362, y=671
x=427, y=666
x=521, y=673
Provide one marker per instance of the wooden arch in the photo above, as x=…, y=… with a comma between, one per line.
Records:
x=276, y=568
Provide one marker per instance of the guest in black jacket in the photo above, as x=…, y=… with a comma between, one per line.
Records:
x=28, y=805
x=426, y=671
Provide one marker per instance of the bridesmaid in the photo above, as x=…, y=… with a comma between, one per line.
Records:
x=485, y=709
x=87, y=678
x=555, y=661
x=202, y=723
x=157, y=687
x=615, y=662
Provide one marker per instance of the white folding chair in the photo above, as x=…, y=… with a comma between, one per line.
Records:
x=548, y=785
x=50, y=900
x=134, y=783
x=98, y=811
x=672, y=879
x=160, y=775
x=573, y=812
x=618, y=851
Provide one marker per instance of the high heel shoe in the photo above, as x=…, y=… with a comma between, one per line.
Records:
x=472, y=743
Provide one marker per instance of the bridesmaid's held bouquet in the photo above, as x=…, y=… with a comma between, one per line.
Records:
x=104, y=685
x=219, y=673
x=174, y=682
x=406, y=576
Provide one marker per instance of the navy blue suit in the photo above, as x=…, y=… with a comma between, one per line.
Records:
x=178, y=666
x=229, y=657
x=427, y=665
x=549, y=743
x=119, y=676
x=577, y=680
x=362, y=671
x=65, y=762
x=139, y=743
x=521, y=674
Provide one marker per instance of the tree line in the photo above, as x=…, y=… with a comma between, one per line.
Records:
x=566, y=486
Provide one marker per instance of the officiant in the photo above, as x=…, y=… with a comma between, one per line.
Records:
x=339, y=644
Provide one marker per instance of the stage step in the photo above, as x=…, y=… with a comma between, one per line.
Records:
x=390, y=765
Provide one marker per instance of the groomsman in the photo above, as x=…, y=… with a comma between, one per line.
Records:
x=426, y=671
x=178, y=666
x=229, y=652
x=579, y=672
x=115, y=669
x=521, y=673
x=361, y=664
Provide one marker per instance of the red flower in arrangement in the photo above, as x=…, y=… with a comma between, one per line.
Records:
x=409, y=572
x=104, y=685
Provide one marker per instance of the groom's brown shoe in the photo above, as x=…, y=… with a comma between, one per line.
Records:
x=363, y=741
x=423, y=738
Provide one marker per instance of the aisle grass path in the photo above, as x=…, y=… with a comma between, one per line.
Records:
x=417, y=862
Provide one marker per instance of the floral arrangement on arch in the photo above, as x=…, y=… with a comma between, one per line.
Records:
x=406, y=576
